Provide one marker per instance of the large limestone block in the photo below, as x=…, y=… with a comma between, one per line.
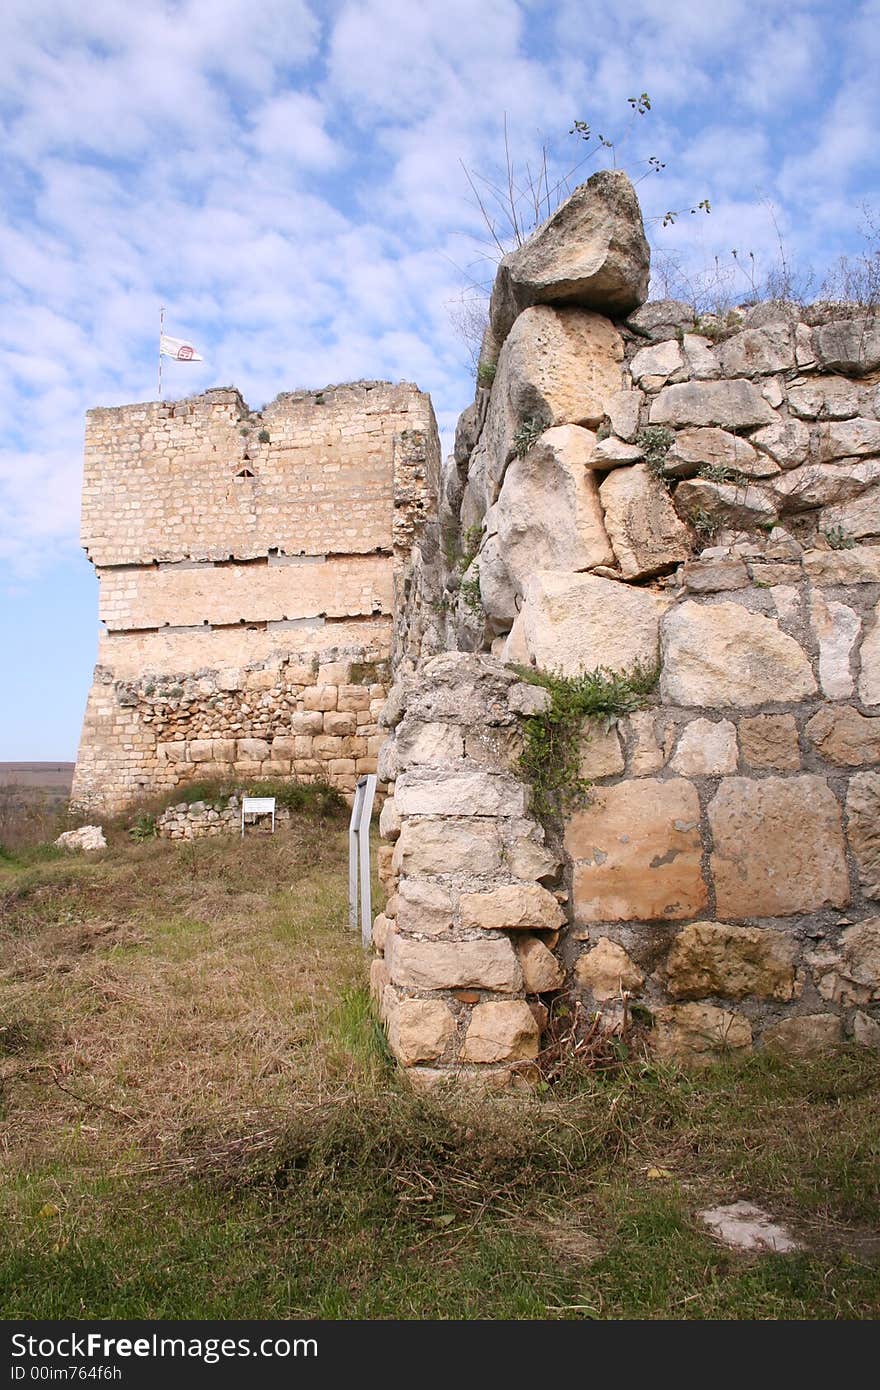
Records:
x=850, y=973
x=542, y=972
x=777, y=847
x=419, y=1030
x=591, y=252
x=837, y=628
x=608, y=970
x=558, y=367
x=869, y=681
x=713, y=958
x=841, y=439
x=548, y=514
x=824, y=484
x=848, y=346
x=770, y=741
x=439, y=791
x=758, y=351
x=740, y=505
x=707, y=748
x=860, y=564
x=428, y=744
x=857, y=518
x=807, y=1035
x=490, y=963
x=600, y=753
x=721, y=654
x=824, y=398
x=637, y=852
x=698, y=1034
x=640, y=519
x=424, y=908
x=576, y=622
x=693, y=449
x=863, y=829
x=501, y=1031
x=734, y=405
x=512, y=907
x=442, y=845
x=786, y=442
x=660, y=360
x=845, y=737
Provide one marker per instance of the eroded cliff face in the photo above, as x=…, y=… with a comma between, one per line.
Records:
x=698, y=494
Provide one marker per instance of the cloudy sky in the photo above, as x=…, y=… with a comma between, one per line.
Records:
x=286, y=177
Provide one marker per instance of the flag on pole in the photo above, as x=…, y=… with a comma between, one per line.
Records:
x=177, y=348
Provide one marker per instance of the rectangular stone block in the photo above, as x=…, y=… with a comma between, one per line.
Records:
x=438, y=791
x=490, y=963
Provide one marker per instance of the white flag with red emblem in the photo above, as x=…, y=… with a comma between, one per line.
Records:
x=178, y=349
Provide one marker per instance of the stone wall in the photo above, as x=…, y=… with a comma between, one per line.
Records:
x=248, y=563
x=696, y=493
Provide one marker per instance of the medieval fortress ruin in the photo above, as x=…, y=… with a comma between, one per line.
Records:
x=309, y=592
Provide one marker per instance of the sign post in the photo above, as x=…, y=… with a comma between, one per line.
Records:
x=359, y=858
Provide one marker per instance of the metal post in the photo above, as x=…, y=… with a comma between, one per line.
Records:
x=359, y=858
x=353, y=857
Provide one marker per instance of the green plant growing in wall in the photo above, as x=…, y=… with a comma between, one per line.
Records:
x=838, y=539
x=527, y=435
x=722, y=473
x=550, y=760
x=486, y=373
x=655, y=441
x=470, y=593
x=264, y=437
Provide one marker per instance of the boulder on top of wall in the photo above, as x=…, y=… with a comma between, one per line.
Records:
x=695, y=448
x=576, y=622
x=736, y=404
x=557, y=367
x=660, y=318
x=758, y=351
x=730, y=504
x=721, y=654
x=640, y=519
x=849, y=346
x=591, y=252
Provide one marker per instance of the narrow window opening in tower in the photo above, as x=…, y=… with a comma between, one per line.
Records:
x=244, y=473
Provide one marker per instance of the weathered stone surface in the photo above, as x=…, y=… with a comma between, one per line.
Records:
x=637, y=853
x=423, y=907
x=379, y=978
x=576, y=622
x=758, y=351
x=707, y=748
x=616, y=453
x=660, y=318
x=419, y=1030
x=863, y=829
x=445, y=846
x=746, y=1227
x=381, y=927
x=640, y=519
x=697, y=1034
x=548, y=514
x=856, y=518
x=512, y=907
x=865, y=1030
x=858, y=565
x=770, y=741
x=842, y=439
x=428, y=743
x=693, y=449
x=807, y=1035
x=787, y=442
x=713, y=958
x=86, y=838
x=439, y=791
x=824, y=484
x=734, y=405
x=659, y=360
x=542, y=972
x=721, y=654
x=490, y=963
x=501, y=1031
x=623, y=412
x=837, y=629
x=701, y=359
x=607, y=970
x=591, y=252
x=848, y=346
x=715, y=576
x=844, y=736
x=869, y=681
x=850, y=972
x=777, y=847
x=525, y=858
x=389, y=820
x=824, y=398
x=646, y=756
x=600, y=754
x=741, y=505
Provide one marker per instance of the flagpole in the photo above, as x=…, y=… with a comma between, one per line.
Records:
x=161, y=331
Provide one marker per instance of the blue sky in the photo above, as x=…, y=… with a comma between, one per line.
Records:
x=285, y=176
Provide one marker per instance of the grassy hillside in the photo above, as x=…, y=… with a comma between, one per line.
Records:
x=199, y=1119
